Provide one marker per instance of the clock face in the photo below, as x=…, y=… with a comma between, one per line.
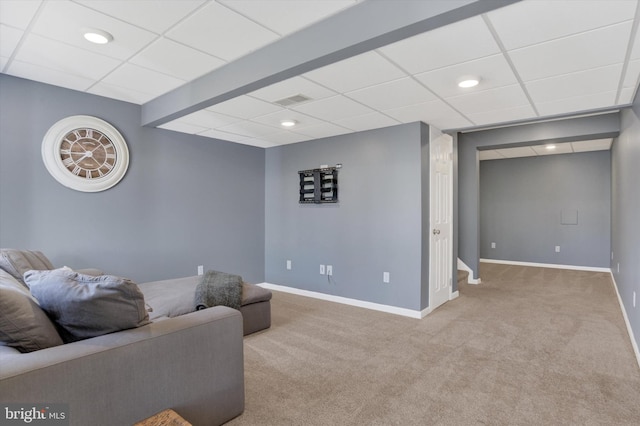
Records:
x=85, y=153
x=88, y=153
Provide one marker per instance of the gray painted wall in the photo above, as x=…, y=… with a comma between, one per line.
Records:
x=625, y=223
x=375, y=227
x=185, y=200
x=569, y=130
x=425, y=226
x=522, y=200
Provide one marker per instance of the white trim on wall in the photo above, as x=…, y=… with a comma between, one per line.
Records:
x=463, y=267
x=546, y=265
x=634, y=344
x=352, y=302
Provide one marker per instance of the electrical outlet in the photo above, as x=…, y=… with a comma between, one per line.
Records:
x=321, y=269
x=329, y=270
x=385, y=277
x=493, y=245
x=288, y=265
x=557, y=249
x=200, y=269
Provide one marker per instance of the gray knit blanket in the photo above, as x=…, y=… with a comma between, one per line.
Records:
x=219, y=288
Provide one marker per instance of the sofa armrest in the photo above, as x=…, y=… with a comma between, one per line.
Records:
x=192, y=363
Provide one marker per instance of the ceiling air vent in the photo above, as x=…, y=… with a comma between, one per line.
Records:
x=292, y=100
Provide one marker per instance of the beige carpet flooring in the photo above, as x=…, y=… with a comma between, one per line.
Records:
x=529, y=346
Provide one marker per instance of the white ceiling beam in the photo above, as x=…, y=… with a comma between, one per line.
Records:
x=366, y=26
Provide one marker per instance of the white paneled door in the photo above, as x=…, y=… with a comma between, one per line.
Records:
x=441, y=218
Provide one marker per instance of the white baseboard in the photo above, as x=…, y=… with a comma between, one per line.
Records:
x=454, y=295
x=546, y=265
x=347, y=301
x=634, y=344
x=470, y=279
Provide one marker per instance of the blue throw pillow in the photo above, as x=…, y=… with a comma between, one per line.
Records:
x=84, y=306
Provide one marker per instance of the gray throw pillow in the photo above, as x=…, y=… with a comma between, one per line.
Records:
x=17, y=262
x=23, y=325
x=84, y=306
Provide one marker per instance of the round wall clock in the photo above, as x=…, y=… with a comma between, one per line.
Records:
x=85, y=153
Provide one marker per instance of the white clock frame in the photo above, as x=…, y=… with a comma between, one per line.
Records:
x=51, y=154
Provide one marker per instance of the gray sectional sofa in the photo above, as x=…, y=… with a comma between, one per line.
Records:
x=190, y=361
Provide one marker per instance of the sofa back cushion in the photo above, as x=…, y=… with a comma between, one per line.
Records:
x=17, y=262
x=23, y=324
x=84, y=306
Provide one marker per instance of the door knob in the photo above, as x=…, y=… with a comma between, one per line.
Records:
x=436, y=231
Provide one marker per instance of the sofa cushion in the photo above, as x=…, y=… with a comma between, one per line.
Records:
x=84, y=306
x=252, y=293
x=17, y=262
x=23, y=325
x=7, y=280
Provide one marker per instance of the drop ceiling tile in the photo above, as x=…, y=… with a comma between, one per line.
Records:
x=244, y=107
x=500, y=98
x=596, y=80
x=49, y=76
x=449, y=122
x=393, y=94
x=494, y=71
x=459, y=42
x=183, y=127
x=156, y=19
x=627, y=96
x=355, y=73
x=120, y=93
x=284, y=138
x=225, y=136
x=209, y=119
x=63, y=21
x=374, y=120
x=286, y=16
x=9, y=39
x=142, y=80
x=521, y=151
x=260, y=143
x=275, y=118
x=490, y=154
x=59, y=56
x=632, y=75
x=592, y=49
x=324, y=130
x=522, y=112
x=18, y=13
x=221, y=32
x=592, y=145
x=333, y=108
x=577, y=104
x=291, y=87
x=555, y=19
x=436, y=113
x=175, y=59
x=560, y=148
x=635, y=50
x=249, y=128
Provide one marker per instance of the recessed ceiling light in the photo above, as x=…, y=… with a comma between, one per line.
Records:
x=96, y=36
x=288, y=123
x=550, y=147
x=468, y=81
